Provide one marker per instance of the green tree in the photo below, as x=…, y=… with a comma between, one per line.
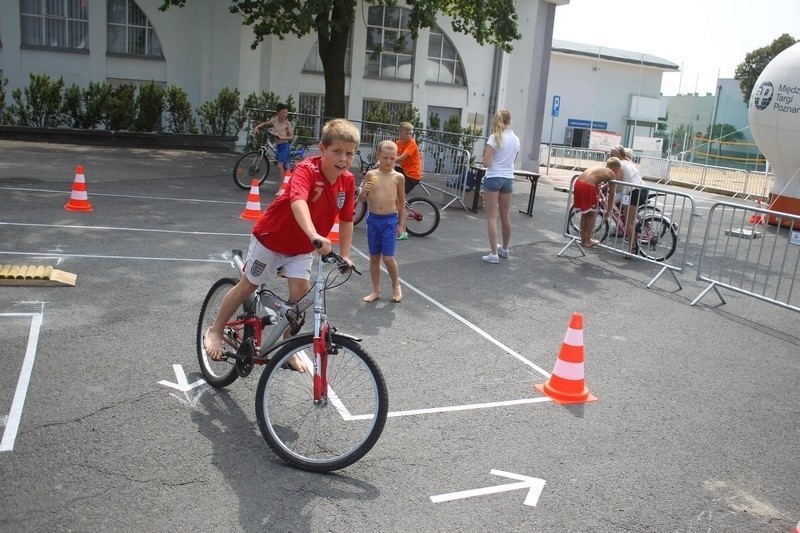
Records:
x=756, y=61
x=488, y=21
x=719, y=134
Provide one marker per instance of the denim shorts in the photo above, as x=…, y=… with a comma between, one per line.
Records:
x=498, y=184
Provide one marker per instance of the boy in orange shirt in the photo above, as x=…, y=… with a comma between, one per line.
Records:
x=409, y=159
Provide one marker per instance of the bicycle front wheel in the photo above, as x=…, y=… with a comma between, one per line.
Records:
x=334, y=433
x=250, y=166
x=361, y=212
x=217, y=373
x=422, y=217
x=600, y=231
x=656, y=237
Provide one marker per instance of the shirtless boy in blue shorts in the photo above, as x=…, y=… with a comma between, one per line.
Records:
x=384, y=192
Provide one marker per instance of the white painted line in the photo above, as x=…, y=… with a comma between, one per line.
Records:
x=471, y=407
x=15, y=414
x=95, y=256
x=112, y=228
x=466, y=322
x=52, y=191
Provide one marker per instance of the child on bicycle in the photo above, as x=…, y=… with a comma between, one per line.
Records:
x=281, y=128
x=384, y=192
x=586, y=195
x=409, y=161
x=281, y=243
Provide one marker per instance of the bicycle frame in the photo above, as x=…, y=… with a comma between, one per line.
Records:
x=265, y=300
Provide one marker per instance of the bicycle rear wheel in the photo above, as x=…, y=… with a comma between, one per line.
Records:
x=327, y=436
x=422, y=217
x=656, y=237
x=217, y=373
x=574, y=225
x=250, y=166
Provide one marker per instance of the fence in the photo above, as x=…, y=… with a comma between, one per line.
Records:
x=670, y=216
x=743, y=255
x=731, y=181
x=445, y=168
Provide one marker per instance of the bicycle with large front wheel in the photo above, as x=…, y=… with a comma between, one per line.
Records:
x=321, y=420
x=255, y=164
x=422, y=215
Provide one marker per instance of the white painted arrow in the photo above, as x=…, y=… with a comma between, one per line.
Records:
x=182, y=384
x=534, y=484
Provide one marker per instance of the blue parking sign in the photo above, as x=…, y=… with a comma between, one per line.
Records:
x=556, y=105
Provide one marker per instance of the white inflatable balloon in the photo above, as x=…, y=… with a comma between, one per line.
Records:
x=775, y=124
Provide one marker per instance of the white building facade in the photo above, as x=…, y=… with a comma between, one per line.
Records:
x=203, y=48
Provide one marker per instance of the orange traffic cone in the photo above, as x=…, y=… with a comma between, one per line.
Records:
x=284, y=184
x=797, y=528
x=756, y=218
x=252, y=210
x=566, y=385
x=78, y=200
x=334, y=233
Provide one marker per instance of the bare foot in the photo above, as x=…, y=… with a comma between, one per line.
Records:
x=297, y=364
x=397, y=297
x=371, y=297
x=212, y=341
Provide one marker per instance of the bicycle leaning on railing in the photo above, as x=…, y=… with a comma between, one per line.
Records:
x=320, y=420
x=255, y=164
x=422, y=215
x=656, y=236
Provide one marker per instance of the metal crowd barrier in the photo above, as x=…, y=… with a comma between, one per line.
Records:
x=445, y=169
x=571, y=158
x=733, y=181
x=742, y=254
x=673, y=215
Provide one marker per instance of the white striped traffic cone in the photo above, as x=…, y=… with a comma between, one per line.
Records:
x=567, y=385
x=79, y=199
x=252, y=210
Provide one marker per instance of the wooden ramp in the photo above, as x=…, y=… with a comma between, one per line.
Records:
x=40, y=275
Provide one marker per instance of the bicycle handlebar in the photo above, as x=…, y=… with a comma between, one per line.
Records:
x=333, y=257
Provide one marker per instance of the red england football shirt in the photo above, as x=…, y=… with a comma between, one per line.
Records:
x=278, y=230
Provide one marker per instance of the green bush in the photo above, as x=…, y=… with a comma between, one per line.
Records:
x=84, y=109
x=149, y=107
x=179, y=111
x=39, y=104
x=95, y=102
x=223, y=115
x=119, y=114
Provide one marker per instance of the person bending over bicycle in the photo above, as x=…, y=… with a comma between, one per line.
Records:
x=586, y=195
x=281, y=128
x=409, y=161
x=630, y=198
x=282, y=240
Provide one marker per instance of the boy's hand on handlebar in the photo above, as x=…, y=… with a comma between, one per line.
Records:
x=322, y=244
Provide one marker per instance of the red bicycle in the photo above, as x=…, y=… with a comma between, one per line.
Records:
x=321, y=420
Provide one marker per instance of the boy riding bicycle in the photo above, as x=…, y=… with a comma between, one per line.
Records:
x=281, y=243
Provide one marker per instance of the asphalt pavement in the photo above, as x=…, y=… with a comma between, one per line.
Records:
x=106, y=426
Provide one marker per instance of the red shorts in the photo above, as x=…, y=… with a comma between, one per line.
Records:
x=584, y=197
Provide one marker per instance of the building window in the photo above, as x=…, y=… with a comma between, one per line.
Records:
x=314, y=63
x=390, y=48
x=130, y=31
x=55, y=23
x=444, y=63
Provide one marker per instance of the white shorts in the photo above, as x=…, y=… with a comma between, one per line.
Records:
x=262, y=263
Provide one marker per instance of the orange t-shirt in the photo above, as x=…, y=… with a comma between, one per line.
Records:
x=412, y=165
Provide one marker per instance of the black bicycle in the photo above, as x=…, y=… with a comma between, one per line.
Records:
x=422, y=215
x=255, y=164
